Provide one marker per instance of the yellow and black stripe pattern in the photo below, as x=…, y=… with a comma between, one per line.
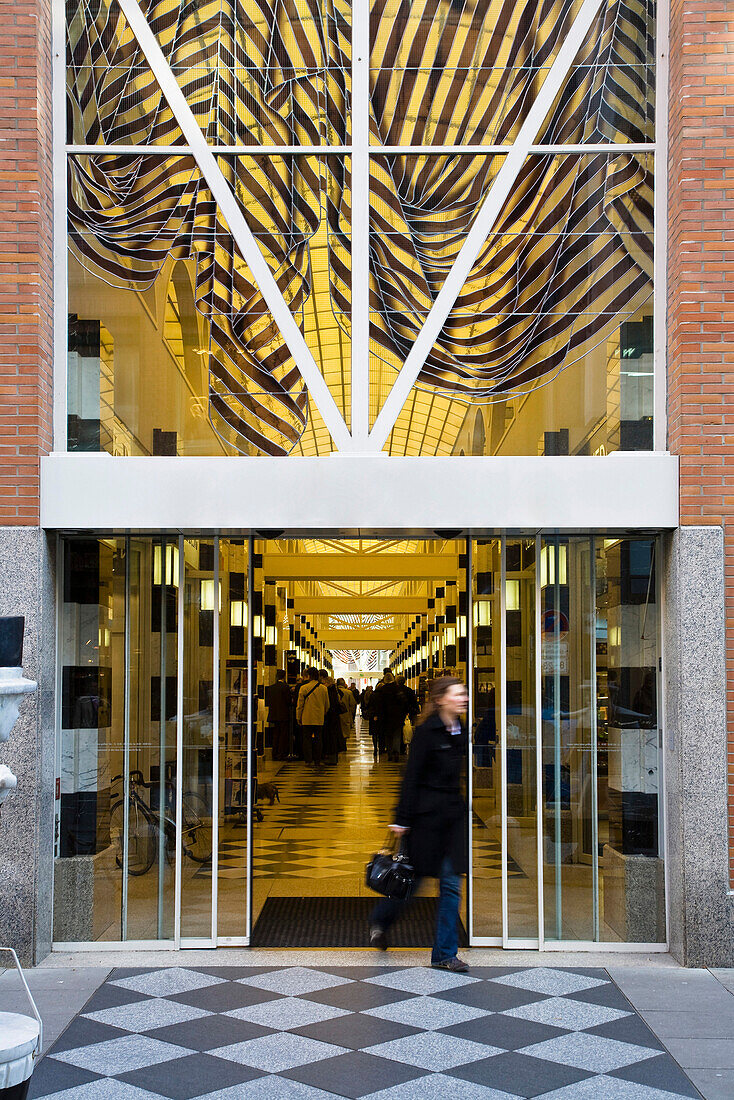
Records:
x=570, y=253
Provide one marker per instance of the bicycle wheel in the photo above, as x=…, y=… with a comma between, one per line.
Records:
x=196, y=827
x=141, y=838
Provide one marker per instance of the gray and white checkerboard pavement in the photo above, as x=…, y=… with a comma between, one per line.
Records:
x=367, y=1033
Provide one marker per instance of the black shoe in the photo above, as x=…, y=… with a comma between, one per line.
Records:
x=378, y=939
x=455, y=965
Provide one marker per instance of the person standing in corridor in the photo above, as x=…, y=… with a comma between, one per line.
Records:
x=313, y=703
x=391, y=707
x=350, y=707
x=431, y=816
x=278, y=702
x=334, y=742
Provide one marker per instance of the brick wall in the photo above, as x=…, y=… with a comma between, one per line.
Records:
x=701, y=283
x=26, y=267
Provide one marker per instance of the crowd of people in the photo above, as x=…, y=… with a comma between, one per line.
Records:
x=313, y=719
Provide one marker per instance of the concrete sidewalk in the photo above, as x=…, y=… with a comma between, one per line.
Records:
x=690, y=1011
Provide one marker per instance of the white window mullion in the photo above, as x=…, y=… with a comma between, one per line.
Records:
x=180, y=657
x=360, y=364
x=60, y=246
x=215, y=746
x=503, y=738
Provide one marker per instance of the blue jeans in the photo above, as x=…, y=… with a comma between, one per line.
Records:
x=446, y=940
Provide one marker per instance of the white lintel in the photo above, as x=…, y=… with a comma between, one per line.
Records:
x=349, y=493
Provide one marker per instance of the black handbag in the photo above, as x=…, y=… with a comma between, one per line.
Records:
x=391, y=873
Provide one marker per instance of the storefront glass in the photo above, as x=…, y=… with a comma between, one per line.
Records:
x=166, y=640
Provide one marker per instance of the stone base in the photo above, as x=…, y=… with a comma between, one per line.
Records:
x=634, y=896
x=696, y=746
x=86, y=900
x=27, y=587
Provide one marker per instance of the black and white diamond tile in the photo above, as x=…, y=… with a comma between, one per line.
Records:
x=366, y=1033
x=487, y=856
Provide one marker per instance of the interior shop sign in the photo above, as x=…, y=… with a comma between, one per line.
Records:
x=554, y=642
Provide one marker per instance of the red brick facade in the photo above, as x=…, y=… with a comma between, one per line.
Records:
x=701, y=281
x=26, y=256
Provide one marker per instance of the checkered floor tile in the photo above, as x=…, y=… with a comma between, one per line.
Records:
x=487, y=856
x=313, y=803
x=378, y=1033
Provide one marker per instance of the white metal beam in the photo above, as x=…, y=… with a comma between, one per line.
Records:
x=356, y=567
x=360, y=364
x=359, y=639
x=477, y=236
x=361, y=604
x=206, y=159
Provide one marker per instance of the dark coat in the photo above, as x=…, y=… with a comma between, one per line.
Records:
x=391, y=705
x=431, y=804
x=278, y=701
x=333, y=740
x=411, y=700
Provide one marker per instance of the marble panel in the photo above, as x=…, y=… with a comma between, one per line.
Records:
x=27, y=587
x=701, y=910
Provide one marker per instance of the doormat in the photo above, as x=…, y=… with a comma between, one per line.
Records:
x=341, y=922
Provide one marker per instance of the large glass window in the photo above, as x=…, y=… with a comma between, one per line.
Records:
x=340, y=179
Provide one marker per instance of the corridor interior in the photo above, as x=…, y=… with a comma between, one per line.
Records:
x=351, y=607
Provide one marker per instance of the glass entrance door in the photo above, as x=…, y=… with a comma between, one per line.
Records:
x=566, y=821
x=168, y=647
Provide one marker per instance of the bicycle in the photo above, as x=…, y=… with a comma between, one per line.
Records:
x=146, y=823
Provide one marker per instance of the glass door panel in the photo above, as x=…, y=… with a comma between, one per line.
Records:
x=232, y=878
x=486, y=821
x=90, y=889
x=567, y=640
x=521, y=789
x=151, y=758
x=631, y=868
x=197, y=754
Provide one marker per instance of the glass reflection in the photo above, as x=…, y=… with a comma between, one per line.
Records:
x=570, y=825
x=487, y=725
x=197, y=762
x=233, y=739
x=521, y=854
x=632, y=892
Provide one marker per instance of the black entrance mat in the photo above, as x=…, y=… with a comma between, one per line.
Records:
x=341, y=922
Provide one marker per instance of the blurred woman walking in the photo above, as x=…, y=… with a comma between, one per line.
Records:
x=431, y=815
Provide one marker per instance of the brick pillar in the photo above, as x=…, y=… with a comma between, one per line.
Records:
x=26, y=255
x=26, y=566
x=701, y=291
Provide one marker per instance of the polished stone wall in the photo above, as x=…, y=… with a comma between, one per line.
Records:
x=700, y=906
x=27, y=587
